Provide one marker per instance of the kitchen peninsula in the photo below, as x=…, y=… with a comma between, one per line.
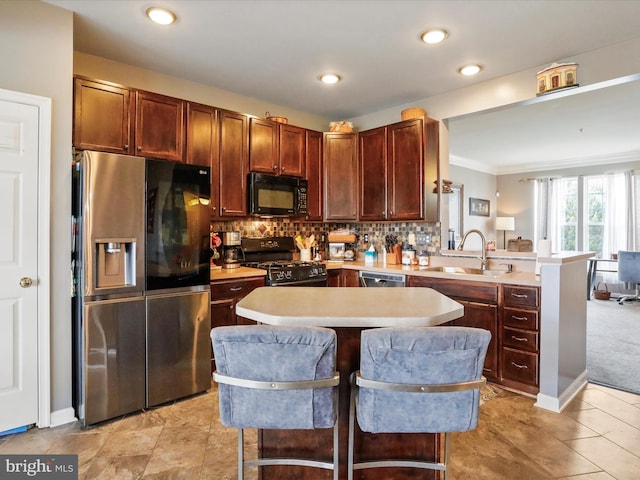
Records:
x=348, y=311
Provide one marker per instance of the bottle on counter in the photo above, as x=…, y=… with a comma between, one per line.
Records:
x=452, y=239
x=408, y=254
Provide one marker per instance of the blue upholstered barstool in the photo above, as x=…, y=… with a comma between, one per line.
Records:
x=629, y=272
x=274, y=377
x=417, y=380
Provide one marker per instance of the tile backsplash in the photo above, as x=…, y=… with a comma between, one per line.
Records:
x=376, y=232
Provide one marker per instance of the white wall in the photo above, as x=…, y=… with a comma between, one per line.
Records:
x=476, y=185
x=36, y=48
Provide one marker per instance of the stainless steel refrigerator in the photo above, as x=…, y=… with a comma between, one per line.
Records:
x=141, y=283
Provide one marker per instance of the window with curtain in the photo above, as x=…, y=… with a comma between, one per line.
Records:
x=593, y=213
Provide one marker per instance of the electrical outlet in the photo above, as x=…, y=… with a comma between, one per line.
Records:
x=423, y=239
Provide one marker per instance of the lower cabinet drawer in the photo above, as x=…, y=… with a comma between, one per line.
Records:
x=527, y=319
x=520, y=339
x=520, y=366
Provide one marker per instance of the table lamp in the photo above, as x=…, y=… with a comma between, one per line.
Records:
x=505, y=224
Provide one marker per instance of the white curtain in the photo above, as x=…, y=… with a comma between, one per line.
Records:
x=558, y=188
x=632, y=211
x=542, y=209
x=616, y=217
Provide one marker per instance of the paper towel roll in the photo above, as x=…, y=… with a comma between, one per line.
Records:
x=544, y=248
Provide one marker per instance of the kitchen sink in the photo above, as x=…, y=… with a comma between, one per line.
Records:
x=466, y=271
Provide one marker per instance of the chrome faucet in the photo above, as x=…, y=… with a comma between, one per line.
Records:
x=483, y=256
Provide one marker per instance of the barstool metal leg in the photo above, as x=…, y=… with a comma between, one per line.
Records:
x=240, y=454
x=352, y=408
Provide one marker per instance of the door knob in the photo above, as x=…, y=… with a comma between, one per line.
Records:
x=25, y=282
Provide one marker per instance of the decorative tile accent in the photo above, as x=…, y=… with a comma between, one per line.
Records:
x=292, y=227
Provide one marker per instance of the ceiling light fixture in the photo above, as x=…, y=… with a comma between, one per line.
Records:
x=434, y=35
x=330, y=78
x=161, y=16
x=470, y=70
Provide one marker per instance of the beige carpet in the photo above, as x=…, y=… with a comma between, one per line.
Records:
x=613, y=344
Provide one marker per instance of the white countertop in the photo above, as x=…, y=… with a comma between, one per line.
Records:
x=349, y=307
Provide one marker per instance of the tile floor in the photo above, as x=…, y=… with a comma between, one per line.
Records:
x=597, y=437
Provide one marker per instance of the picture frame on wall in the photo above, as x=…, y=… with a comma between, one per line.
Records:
x=479, y=207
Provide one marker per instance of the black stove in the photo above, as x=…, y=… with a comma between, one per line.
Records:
x=275, y=255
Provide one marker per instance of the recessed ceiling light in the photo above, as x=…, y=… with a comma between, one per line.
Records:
x=161, y=16
x=330, y=78
x=470, y=70
x=433, y=36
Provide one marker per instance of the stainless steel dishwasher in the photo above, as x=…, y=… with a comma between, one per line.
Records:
x=375, y=279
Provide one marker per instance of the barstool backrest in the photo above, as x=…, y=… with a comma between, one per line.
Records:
x=421, y=356
x=266, y=353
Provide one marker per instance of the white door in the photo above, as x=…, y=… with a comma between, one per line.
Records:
x=18, y=264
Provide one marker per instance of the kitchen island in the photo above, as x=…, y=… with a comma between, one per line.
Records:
x=348, y=311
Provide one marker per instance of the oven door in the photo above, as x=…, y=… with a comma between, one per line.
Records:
x=304, y=283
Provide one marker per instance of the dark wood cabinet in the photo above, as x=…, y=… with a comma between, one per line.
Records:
x=392, y=165
x=291, y=150
x=202, y=145
x=159, y=131
x=340, y=165
x=276, y=148
x=405, y=170
x=343, y=278
x=372, y=157
x=225, y=294
x=263, y=146
x=233, y=155
x=521, y=338
x=102, y=113
x=113, y=118
x=483, y=315
x=313, y=158
x=480, y=301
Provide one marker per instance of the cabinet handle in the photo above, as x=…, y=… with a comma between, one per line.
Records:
x=519, y=366
x=274, y=168
x=519, y=339
x=235, y=289
x=479, y=304
x=125, y=148
x=519, y=295
x=521, y=319
x=282, y=169
x=140, y=148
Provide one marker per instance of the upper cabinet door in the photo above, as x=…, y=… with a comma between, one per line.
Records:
x=372, y=153
x=292, y=150
x=340, y=176
x=202, y=145
x=405, y=170
x=263, y=146
x=159, y=129
x=102, y=116
x=234, y=163
x=314, y=174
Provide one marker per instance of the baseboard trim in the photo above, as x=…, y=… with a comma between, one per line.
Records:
x=62, y=417
x=558, y=404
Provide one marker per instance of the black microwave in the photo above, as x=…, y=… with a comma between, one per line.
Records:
x=276, y=195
